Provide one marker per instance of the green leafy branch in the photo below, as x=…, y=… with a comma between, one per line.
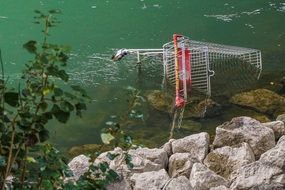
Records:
x=25, y=112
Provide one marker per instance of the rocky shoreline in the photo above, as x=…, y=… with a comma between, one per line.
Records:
x=245, y=154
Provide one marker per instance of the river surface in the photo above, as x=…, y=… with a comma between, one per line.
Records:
x=96, y=28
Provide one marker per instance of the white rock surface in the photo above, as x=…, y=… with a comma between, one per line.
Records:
x=154, y=180
x=197, y=145
x=222, y=187
x=276, y=156
x=281, y=118
x=202, y=178
x=167, y=147
x=179, y=183
x=245, y=129
x=227, y=160
x=258, y=174
x=118, y=163
x=278, y=128
x=180, y=164
x=79, y=165
x=119, y=185
x=145, y=159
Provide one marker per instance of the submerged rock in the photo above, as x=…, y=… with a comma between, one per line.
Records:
x=227, y=160
x=87, y=149
x=203, y=178
x=199, y=108
x=197, y=145
x=279, y=111
x=191, y=126
x=245, y=129
x=160, y=101
x=153, y=180
x=262, y=100
x=202, y=108
x=237, y=111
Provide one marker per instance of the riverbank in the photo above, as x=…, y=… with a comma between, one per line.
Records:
x=245, y=154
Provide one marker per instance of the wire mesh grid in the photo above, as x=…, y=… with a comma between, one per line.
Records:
x=223, y=52
x=200, y=76
x=209, y=59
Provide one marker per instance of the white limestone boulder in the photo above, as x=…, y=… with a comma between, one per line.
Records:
x=145, y=159
x=227, y=160
x=256, y=175
x=153, y=180
x=180, y=164
x=197, y=145
x=277, y=127
x=179, y=183
x=276, y=156
x=245, y=129
x=281, y=118
x=79, y=165
x=222, y=187
x=202, y=178
x=167, y=147
x=117, y=164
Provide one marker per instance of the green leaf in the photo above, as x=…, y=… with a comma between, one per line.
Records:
x=31, y=139
x=113, y=174
x=63, y=75
x=31, y=159
x=44, y=58
x=47, y=90
x=53, y=70
x=107, y=138
x=43, y=106
x=11, y=98
x=112, y=156
x=63, y=57
x=80, y=106
x=44, y=135
x=25, y=92
x=58, y=92
x=59, y=114
x=130, y=165
x=47, y=184
x=37, y=12
x=78, y=89
x=66, y=106
x=103, y=166
x=54, y=11
x=31, y=46
x=69, y=95
x=47, y=116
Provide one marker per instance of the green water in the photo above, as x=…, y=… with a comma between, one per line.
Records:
x=93, y=28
